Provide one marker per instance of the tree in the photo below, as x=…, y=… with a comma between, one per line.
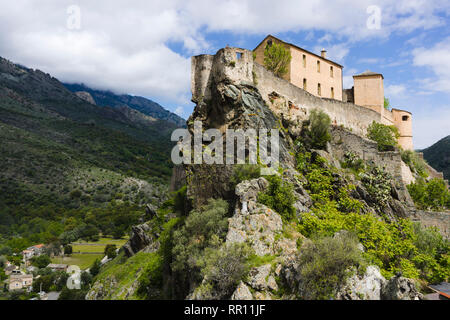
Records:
x=319, y=128
x=277, y=58
x=95, y=268
x=68, y=249
x=387, y=104
x=385, y=136
x=110, y=251
x=41, y=261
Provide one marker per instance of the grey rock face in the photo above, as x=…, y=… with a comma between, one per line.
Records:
x=258, y=228
x=242, y=292
x=400, y=288
x=260, y=278
x=140, y=239
x=86, y=96
x=367, y=287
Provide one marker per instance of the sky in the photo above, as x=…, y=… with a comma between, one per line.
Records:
x=144, y=47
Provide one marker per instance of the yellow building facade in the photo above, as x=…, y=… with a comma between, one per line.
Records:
x=323, y=78
x=311, y=72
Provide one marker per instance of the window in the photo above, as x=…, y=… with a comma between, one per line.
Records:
x=318, y=66
x=239, y=55
x=304, y=84
x=269, y=43
x=319, y=91
x=331, y=71
x=405, y=118
x=332, y=93
x=304, y=61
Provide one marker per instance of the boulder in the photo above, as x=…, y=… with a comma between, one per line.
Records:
x=242, y=292
x=400, y=288
x=366, y=287
x=140, y=239
x=260, y=278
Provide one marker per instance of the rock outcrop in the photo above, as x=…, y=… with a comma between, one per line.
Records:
x=86, y=96
x=141, y=238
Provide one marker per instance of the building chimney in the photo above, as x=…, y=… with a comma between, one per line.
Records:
x=323, y=53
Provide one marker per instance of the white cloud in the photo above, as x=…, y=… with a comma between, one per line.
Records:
x=125, y=46
x=179, y=111
x=437, y=59
x=395, y=91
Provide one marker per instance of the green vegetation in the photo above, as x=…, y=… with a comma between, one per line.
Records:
x=316, y=131
x=385, y=136
x=84, y=261
x=277, y=58
x=222, y=268
x=378, y=184
x=394, y=246
x=124, y=272
x=430, y=195
x=202, y=229
x=325, y=264
x=110, y=251
x=242, y=172
x=387, y=104
x=279, y=197
x=70, y=169
x=414, y=162
x=353, y=162
x=41, y=261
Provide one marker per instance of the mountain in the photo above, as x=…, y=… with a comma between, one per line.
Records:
x=143, y=105
x=59, y=152
x=438, y=156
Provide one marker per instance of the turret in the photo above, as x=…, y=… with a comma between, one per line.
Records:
x=403, y=122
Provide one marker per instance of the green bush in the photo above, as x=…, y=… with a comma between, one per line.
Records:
x=242, y=172
x=378, y=184
x=110, y=251
x=203, y=228
x=385, y=136
x=41, y=261
x=432, y=259
x=431, y=195
x=279, y=196
x=151, y=280
x=277, y=58
x=414, y=162
x=325, y=264
x=352, y=161
x=319, y=129
x=222, y=269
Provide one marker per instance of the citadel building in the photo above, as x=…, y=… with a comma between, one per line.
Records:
x=322, y=78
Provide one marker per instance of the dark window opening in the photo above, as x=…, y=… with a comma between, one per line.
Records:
x=405, y=118
x=269, y=43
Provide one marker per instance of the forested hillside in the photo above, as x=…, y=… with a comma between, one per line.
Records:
x=70, y=167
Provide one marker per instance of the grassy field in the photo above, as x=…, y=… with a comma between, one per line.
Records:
x=94, y=249
x=84, y=261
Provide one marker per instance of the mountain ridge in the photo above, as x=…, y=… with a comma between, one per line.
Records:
x=438, y=156
x=146, y=106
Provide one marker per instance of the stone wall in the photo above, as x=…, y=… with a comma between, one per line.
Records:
x=441, y=220
x=349, y=115
x=344, y=141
